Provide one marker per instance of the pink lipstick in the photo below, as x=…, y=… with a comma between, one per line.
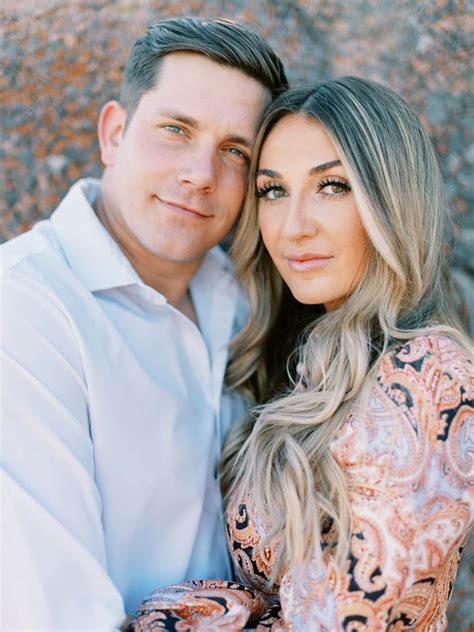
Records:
x=306, y=261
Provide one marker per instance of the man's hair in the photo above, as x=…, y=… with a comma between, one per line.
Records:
x=223, y=41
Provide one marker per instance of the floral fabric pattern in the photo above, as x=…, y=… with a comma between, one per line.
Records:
x=407, y=449
x=199, y=606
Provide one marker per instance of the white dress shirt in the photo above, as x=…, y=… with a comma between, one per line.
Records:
x=113, y=418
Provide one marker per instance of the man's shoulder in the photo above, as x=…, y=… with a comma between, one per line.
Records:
x=32, y=252
x=41, y=247
x=35, y=274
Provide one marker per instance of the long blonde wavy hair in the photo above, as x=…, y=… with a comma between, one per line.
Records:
x=280, y=451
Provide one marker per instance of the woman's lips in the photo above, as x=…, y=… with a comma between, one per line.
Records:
x=306, y=261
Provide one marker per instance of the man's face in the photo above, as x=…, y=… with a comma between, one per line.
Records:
x=175, y=178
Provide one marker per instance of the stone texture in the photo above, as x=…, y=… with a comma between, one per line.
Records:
x=63, y=59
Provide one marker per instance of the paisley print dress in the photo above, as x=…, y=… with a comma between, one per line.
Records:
x=407, y=449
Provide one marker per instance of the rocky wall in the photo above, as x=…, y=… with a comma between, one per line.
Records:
x=63, y=59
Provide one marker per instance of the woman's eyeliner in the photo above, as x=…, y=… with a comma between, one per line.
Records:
x=263, y=191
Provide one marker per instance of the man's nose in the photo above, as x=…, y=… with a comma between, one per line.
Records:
x=299, y=221
x=199, y=168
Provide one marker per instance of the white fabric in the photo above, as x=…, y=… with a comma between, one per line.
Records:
x=112, y=422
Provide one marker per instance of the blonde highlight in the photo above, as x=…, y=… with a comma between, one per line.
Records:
x=281, y=451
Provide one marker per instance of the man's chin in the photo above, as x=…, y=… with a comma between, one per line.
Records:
x=178, y=256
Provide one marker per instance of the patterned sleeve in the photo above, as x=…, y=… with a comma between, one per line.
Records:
x=408, y=450
x=199, y=605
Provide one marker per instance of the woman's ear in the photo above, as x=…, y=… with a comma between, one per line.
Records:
x=111, y=126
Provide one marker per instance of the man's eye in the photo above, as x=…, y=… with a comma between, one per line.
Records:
x=235, y=151
x=174, y=129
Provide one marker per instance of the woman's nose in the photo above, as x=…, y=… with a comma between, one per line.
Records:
x=299, y=221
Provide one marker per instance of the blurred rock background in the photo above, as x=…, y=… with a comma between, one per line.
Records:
x=63, y=59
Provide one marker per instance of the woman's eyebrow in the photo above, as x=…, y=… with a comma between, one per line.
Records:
x=324, y=166
x=268, y=172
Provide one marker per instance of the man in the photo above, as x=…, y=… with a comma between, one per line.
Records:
x=117, y=316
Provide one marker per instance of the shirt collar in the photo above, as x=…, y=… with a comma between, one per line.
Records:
x=93, y=254
x=90, y=250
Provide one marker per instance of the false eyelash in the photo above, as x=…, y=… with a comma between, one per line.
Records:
x=333, y=180
x=268, y=186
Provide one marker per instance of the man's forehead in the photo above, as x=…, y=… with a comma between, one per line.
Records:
x=202, y=93
x=181, y=116
x=189, y=61
x=200, y=68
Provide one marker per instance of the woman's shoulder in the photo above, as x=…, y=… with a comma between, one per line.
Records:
x=435, y=361
x=417, y=417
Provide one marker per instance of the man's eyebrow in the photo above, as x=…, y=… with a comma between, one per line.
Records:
x=240, y=140
x=179, y=116
x=192, y=122
x=318, y=169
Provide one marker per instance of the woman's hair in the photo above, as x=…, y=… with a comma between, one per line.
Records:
x=281, y=451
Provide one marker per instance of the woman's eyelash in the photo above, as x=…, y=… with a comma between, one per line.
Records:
x=265, y=188
x=331, y=180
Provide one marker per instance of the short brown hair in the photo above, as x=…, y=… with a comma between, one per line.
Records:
x=223, y=41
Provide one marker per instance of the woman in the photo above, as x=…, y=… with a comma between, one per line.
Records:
x=349, y=494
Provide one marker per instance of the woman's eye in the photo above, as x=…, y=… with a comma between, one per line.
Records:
x=271, y=193
x=334, y=187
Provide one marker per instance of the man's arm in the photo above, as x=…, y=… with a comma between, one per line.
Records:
x=54, y=566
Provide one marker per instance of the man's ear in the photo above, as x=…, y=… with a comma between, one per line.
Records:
x=110, y=130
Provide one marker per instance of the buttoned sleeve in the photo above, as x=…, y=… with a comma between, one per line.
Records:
x=54, y=566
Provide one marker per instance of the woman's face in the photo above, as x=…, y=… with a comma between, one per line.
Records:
x=307, y=214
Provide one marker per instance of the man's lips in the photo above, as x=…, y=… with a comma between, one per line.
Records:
x=305, y=261
x=177, y=207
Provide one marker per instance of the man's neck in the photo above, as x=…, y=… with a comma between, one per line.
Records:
x=170, y=278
